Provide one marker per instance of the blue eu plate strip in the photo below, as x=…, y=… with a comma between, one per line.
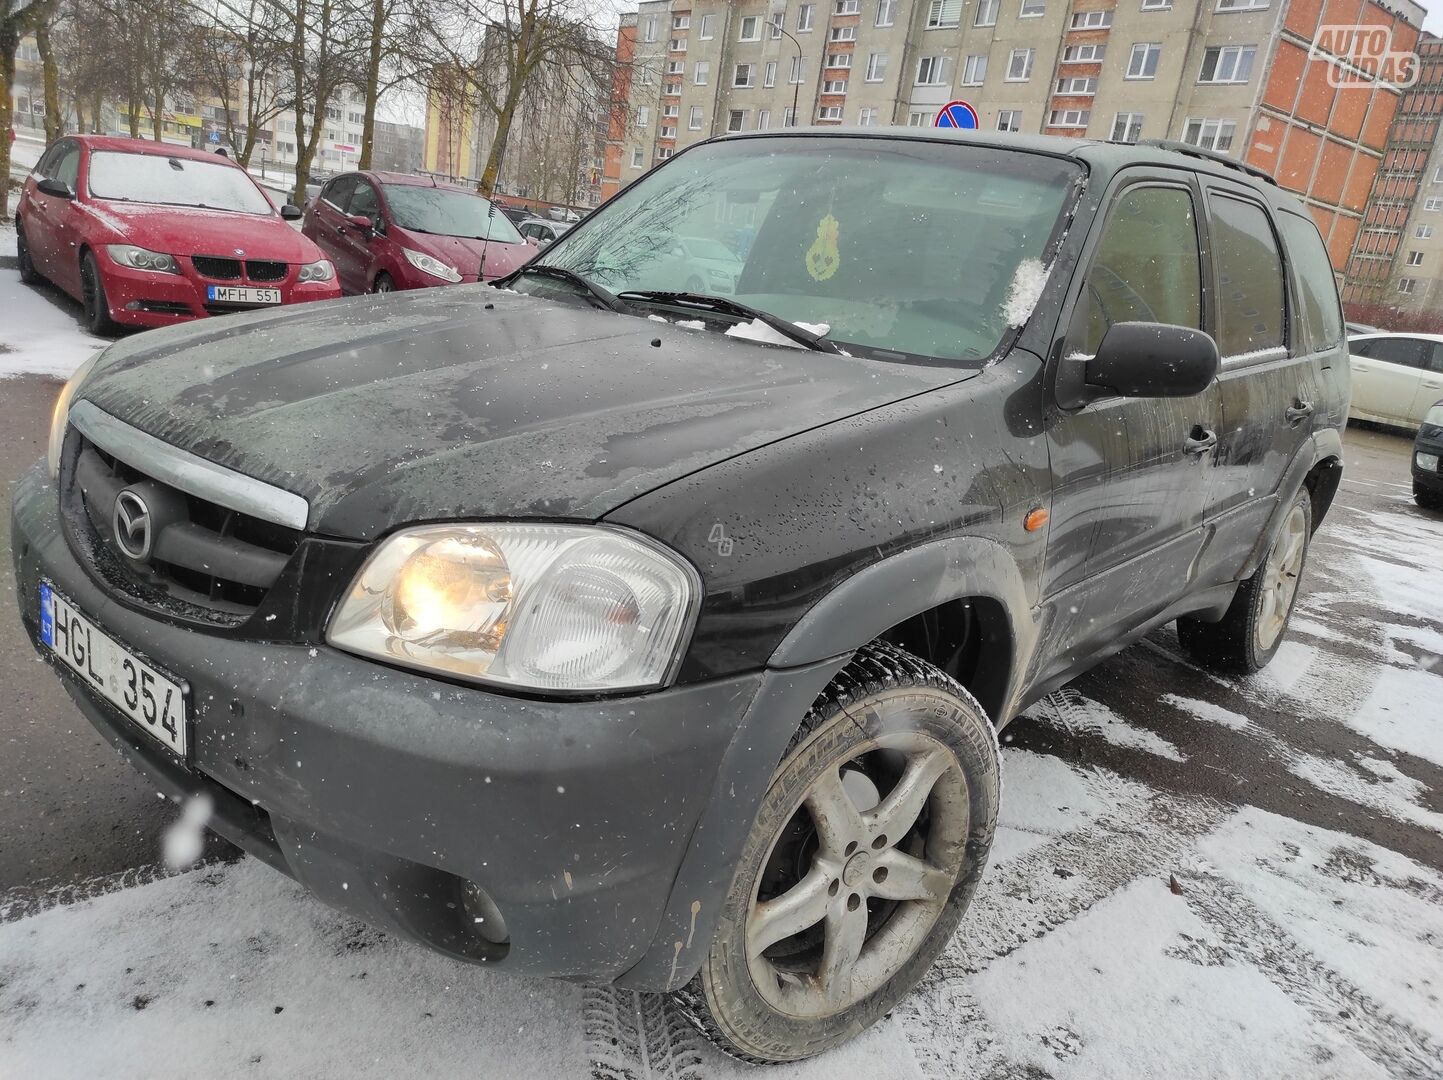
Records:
x=47, y=615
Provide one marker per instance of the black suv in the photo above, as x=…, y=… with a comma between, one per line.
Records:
x=594, y=629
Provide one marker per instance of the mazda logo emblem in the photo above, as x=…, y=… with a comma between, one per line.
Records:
x=132, y=526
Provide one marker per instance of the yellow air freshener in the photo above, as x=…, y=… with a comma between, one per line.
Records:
x=823, y=257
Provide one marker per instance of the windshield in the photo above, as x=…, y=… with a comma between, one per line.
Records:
x=150, y=178
x=896, y=246
x=448, y=212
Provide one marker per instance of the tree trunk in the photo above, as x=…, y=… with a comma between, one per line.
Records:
x=487, y=184
x=157, y=114
x=9, y=42
x=373, y=81
x=96, y=121
x=50, y=73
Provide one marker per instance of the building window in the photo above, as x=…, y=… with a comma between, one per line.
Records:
x=643, y=116
x=1230, y=64
x=745, y=76
x=834, y=86
x=795, y=75
x=1434, y=203
x=736, y=120
x=681, y=22
x=932, y=71
x=769, y=74
x=648, y=28
x=751, y=29
x=921, y=118
x=1243, y=5
x=707, y=30
x=701, y=72
x=1091, y=20
x=843, y=33
x=1083, y=54
x=1127, y=127
x=845, y=7
x=944, y=13
x=1069, y=118
x=764, y=119
x=671, y=112
x=1156, y=5
x=678, y=44
x=1143, y=62
x=1415, y=258
x=1423, y=232
x=886, y=12
x=636, y=158
x=804, y=18
x=986, y=13
x=664, y=152
x=775, y=25
x=1032, y=9
x=1077, y=84
x=876, y=67
x=676, y=67
x=974, y=70
x=1009, y=120
x=1438, y=175
x=839, y=60
x=1210, y=134
x=1407, y=285
x=789, y=118
x=829, y=112
x=867, y=118
x=693, y=119
x=667, y=132
x=672, y=89
x=1019, y=65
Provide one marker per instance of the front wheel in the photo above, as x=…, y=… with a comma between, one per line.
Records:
x=1249, y=635
x=92, y=297
x=865, y=853
x=383, y=283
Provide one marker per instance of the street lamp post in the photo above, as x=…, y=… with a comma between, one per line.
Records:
x=796, y=86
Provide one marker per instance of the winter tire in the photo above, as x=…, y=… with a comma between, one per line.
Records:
x=1249, y=635
x=864, y=855
x=92, y=297
x=23, y=262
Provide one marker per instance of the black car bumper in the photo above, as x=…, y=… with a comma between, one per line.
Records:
x=1428, y=480
x=385, y=792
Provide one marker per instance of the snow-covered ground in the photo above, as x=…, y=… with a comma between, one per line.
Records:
x=40, y=331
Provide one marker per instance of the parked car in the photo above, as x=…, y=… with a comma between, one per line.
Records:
x=563, y=214
x=699, y=264
x=620, y=636
x=1396, y=377
x=516, y=214
x=1362, y=328
x=1427, y=456
x=542, y=232
x=388, y=231
x=146, y=234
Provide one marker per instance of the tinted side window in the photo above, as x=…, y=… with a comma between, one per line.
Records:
x=364, y=201
x=1405, y=351
x=46, y=165
x=1321, y=316
x=67, y=166
x=338, y=192
x=1146, y=268
x=1437, y=362
x=1362, y=348
x=1251, y=308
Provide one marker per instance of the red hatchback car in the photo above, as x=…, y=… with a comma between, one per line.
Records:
x=388, y=231
x=148, y=234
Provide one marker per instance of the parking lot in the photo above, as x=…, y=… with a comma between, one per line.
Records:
x=1194, y=875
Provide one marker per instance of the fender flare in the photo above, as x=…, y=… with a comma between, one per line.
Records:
x=855, y=612
x=1324, y=444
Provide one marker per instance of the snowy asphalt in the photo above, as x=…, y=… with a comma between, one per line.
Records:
x=1193, y=876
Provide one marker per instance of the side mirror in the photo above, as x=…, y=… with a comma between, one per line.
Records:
x=290, y=211
x=364, y=225
x=58, y=189
x=1138, y=359
x=533, y=241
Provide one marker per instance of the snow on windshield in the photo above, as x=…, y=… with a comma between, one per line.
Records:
x=174, y=181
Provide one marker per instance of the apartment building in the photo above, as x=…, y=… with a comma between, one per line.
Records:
x=1241, y=77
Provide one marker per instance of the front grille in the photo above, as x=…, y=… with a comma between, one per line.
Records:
x=213, y=266
x=265, y=270
x=207, y=561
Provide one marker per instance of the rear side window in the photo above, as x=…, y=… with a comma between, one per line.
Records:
x=67, y=166
x=1146, y=268
x=1403, y=351
x=1320, y=316
x=1251, y=309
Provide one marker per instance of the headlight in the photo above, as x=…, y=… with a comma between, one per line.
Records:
x=137, y=258
x=435, y=267
x=568, y=608
x=61, y=415
x=320, y=270
x=1428, y=462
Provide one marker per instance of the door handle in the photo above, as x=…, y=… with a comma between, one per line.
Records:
x=1200, y=441
x=1299, y=411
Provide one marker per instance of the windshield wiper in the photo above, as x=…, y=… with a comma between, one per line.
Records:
x=725, y=305
x=560, y=273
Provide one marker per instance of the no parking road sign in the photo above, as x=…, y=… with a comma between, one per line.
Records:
x=957, y=114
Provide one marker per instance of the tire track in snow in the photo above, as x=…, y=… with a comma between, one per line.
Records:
x=635, y=1036
x=23, y=901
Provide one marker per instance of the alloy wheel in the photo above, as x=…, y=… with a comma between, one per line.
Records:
x=1280, y=578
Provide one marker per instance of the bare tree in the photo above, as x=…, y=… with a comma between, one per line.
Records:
x=50, y=77
x=17, y=18
x=242, y=58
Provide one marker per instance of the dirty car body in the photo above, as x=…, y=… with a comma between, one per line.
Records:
x=818, y=499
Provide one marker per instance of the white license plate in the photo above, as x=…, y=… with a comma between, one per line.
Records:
x=153, y=701
x=234, y=294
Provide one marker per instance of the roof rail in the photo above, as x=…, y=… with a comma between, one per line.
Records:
x=1207, y=155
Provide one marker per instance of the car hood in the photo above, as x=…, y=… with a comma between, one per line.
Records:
x=465, y=254
x=179, y=230
x=472, y=402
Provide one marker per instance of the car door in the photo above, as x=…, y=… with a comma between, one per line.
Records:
x=1386, y=374
x=1269, y=373
x=1430, y=385
x=1132, y=476
x=329, y=215
x=45, y=215
x=355, y=244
